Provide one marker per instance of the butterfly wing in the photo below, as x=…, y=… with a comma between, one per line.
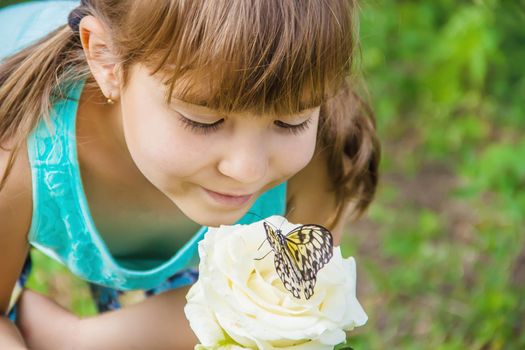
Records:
x=305, y=251
x=288, y=273
x=311, y=247
x=307, y=285
x=271, y=236
x=284, y=266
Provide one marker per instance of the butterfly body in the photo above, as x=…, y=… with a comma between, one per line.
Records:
x=299, y=255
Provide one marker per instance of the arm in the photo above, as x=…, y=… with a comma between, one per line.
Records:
x=10, y=337
x=156, y=323
x=15, y=217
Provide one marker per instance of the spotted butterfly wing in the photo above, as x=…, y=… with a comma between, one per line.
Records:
x=311, y=246
x=300, y=255
x=288, y=273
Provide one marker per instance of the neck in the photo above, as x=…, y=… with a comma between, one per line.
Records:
x=100, y=138
x=101, y=121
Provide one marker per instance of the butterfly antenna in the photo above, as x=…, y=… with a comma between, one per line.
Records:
x=281, y=225
x=261, y=244
x=285, y=217
x=288, y=213
x=255, y=214
x=260, y=217
x=263, y=256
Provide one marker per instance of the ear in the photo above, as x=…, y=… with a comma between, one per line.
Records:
x=99, y=54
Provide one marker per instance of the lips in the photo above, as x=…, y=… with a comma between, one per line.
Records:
x=229, y=199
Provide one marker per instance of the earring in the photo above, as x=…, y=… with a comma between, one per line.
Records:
x=109, y=100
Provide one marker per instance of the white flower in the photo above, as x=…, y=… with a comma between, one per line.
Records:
x=240, y=303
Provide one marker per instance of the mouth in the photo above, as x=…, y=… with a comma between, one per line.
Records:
x=232, y=200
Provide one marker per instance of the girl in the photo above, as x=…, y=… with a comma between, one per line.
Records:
x=127, y=131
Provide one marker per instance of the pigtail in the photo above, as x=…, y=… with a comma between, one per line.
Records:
x=347, y=135
x=31, y=81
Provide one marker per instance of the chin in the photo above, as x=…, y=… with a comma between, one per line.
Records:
x=216, y=221
x=215, y=218
x=212, y=216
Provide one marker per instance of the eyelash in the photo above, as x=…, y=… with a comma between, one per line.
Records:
x=200, y=127
x=294, y=129
x=208, y=128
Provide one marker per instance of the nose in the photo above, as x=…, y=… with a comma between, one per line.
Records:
x=245, y=161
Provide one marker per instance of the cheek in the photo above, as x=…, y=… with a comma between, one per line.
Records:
x=156, y=142
x=295, y=152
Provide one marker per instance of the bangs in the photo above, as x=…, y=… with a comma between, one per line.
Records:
x=266, y=57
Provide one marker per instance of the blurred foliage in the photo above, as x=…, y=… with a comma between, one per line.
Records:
x=10, y=2
x=441, y=256
x=52, y=278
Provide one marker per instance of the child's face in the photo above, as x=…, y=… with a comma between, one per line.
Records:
x=242, y=155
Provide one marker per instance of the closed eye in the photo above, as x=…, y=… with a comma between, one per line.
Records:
x=203, y=128
x=294, y=128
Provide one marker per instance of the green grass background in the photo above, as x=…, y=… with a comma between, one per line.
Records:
x=440, y=254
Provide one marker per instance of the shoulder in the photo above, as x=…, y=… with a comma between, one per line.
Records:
x=16, y=193
x=311, y=197
x=19, y=181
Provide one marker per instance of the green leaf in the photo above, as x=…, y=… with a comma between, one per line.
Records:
x=343, y=346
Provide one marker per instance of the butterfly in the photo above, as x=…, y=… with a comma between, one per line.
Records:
x=299, y=255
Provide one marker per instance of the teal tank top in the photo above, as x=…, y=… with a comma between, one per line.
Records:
x=62, y=226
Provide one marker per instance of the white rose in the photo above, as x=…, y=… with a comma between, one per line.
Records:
x=239, y=302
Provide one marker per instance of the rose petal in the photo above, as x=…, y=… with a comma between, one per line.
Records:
x=202, y=321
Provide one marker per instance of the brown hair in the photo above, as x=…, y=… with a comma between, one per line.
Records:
x=267, y=57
